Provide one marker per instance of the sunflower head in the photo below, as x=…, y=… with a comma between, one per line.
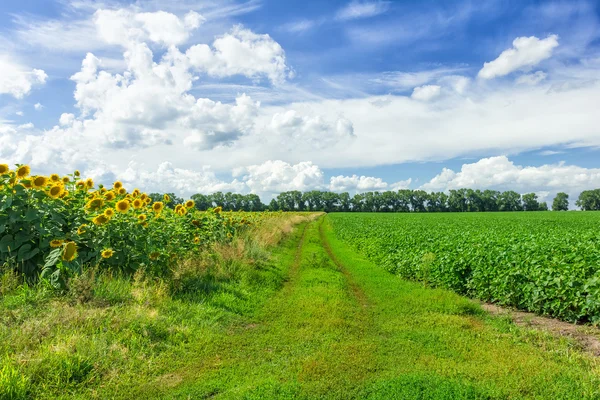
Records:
x=82, y=229
x=137, y=204
x=157, y=207
x=107, y=253
x=76, y=173
x=23, y=171
x=182, y=211
x=89, y=183
x=229, y=235
x=196, y=222
x=122, y=206
x=122, y=191
x=190, y=204
x=70, y=251
x=55, y=178
x=95, y=204
x=109, y=212
x=142, y=217
x=109, y=196
x=66, y=179
x=56, y=243
x=80, y=185
x=55, y=191
x=4, y=169
x=166, y=198
x=196, y=240
x=118, y=185
x=135, y=193
x=144, y=224
x=218, y=210
x=100, y=219
x=143, y=197
x=178, y=207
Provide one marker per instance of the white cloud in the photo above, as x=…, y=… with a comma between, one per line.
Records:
x=299, y=26
x=313, y=131
x=362, y=9
x=20, y=113
x=531, y=79
x=501, y=173
x=124, y=27
x=279, y=176
x=241, y=52
x=38, y=106
x=526, y=52
x=426, y=92
x=26, y=126
x=18, y=80
x=359, y=184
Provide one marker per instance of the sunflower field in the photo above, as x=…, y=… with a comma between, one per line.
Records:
x=53, y=226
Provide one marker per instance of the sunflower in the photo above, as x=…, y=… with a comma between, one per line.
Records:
x=182, y=211
x=144, y=224
x=229, y=235
x=55, y=177
x=23, y=171
x=122, y=206
x=109, y=212
x=143, y=197
x=26, y=183
x=142, y=217
x=100, y=219
x=117, y=185
x=109, y=196
x=154, y=255
x=107, y=253
x=3, y=169
x=190, y=204
x=80, y=185
x=218, y=210
x=196, y=240
x=158, y=206
x=166, y=198
x=55, y=191
x=196, y=222
x=64, y=194
x=135, y=193
x=76, y=173
x=82, y=229
x=148, y=200
x=122, y=191
x=103, y=190
x=89, y=182
x=178, y=207
x=95, y=204
x=56, y=243
x=137, y=204
x=69, y=252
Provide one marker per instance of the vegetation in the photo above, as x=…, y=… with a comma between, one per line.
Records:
x=51, y=227
x=307, y=319
x=541, y=262
x=589, y=200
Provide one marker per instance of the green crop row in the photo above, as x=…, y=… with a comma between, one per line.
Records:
x=548, y=263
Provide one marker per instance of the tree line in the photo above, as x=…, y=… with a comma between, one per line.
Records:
x=404, y=200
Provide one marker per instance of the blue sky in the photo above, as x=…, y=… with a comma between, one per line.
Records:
x=265, y=96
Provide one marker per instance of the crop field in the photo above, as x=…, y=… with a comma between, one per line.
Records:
x=548, y=263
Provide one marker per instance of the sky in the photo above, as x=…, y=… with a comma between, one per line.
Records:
x=198, y=96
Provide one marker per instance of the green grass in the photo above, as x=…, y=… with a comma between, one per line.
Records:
x=301, y=325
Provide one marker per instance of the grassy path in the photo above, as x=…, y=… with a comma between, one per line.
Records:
x=341, y=328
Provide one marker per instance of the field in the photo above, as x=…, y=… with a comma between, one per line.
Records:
x=548, y=262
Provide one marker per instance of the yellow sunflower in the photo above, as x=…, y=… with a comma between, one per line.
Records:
x=109, y=212
x=56, y=243
x=95, y=204
x=122, y=191
x=122, y=206
x=218, y=210
x=137, y=204
x=55, y=177
x=89, y=182
x=80, y=185
x=76, y=173
x=64, y=194
x=82, y=229
x=66, y=179
x=55, y=191
x=148, y=200
x=166, y=198
x=143, y=197
x=109, y=196
x=158, y=207
x=107, y=253
x=135, y=193
x=182, y=211
x=145, y=224
x=190, y=204
x=196, y=240
x=117, y=185
x=69, y=252
x=100, y=219
x=23, y=171
x=4, y=169
x=142, y=217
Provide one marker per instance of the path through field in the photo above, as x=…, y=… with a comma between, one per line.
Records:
x=342, y=328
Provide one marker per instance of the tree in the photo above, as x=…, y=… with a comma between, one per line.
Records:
x=589, y=200
x=510, y=201
x=530, y=202
x=543, y=206
x=561, y=202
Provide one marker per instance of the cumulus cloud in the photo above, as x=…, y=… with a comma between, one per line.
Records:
x=526, y=52
x=241, y=52
x=362, y=9
x=357, y=184
x=426, y=92
x=314, y=131
x=501, y=173
x=280, y=176
x=531, y=79
x=38, y=106
x=18, y=80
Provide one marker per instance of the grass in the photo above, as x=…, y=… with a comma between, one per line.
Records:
x=312, y=320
